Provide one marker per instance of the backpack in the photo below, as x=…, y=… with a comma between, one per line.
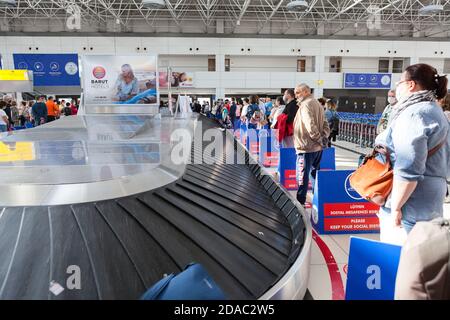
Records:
x=424, y=267
x=251, y=110
x=334, y=122
x=67, y=111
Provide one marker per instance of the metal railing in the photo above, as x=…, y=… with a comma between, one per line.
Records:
x=358, y=128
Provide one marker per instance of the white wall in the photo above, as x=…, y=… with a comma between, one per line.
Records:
x=268, y=63
x=183, y=63
x=437, y=63
x=255, y=62
x=356, y=64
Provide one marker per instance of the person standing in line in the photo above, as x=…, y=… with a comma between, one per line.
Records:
x=7, y=110
x=253, y=113
x=232, y=114
x=238, y=108
x=417, y=126
x=384, y=120
x=3, y=117
x=246, y=103
x=445, y=104
x=73, y=108
x=14, y=114
x=333, y=120
x=290, y=110
x=52, y=109
x=39, y=111
x=276, y=111
x=268, y=106
x=311, y=133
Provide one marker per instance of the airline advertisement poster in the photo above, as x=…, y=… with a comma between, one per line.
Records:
x=121, y=80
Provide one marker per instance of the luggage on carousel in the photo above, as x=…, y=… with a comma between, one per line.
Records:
x=193, y=283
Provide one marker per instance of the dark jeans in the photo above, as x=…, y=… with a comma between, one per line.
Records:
x=51, y=118
x=332, y=137
x=307, y=164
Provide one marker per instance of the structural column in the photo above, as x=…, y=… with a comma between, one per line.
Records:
x=220, y=69
x=319, y=69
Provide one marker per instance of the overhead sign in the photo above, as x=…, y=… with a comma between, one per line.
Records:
x=127, y=80
x=367, y=80
x=372, y=270
x=50, y=69
x=338, y=208
x=14, y=75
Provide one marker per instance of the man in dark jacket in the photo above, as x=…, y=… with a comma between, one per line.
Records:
x=291, y=105
x=39, y=111
x=290, y=110
x=233, y=111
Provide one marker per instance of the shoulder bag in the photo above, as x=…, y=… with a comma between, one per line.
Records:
x=373, y=180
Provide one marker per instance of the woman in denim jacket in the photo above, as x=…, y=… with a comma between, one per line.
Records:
x=417, y=125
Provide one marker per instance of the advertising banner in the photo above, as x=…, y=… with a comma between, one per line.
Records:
x=372, y=270
x=124, y=80
x=50, y=69
x=367, y=80
x=338, y=208
x=178, y=80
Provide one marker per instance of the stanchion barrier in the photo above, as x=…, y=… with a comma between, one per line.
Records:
x=252, y=141
x=269, y=154
x=243, y=133
x=372, y=270
x=338, y=208
x=287, y=166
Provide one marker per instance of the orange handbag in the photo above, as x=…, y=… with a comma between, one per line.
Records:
x=373, y=179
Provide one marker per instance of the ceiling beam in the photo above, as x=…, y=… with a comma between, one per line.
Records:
x=270, y=16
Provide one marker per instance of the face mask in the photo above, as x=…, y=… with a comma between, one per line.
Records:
x=392, y=100
x=401, y=93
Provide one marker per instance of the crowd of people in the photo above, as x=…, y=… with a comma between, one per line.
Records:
x=415, y=120
x=33, y=113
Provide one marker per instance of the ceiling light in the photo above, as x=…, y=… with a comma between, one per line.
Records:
x=297, y=6
x=154, y=4
x=7, y=3
x=431, y=9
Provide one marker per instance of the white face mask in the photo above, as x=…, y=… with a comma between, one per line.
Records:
x=392, y=100
x=401, y=93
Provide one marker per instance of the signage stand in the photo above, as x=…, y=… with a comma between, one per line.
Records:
x=338, y=208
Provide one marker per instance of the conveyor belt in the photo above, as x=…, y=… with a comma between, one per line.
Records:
x=230, y=218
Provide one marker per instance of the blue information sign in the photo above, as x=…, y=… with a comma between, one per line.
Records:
x=338, y=208
x=372, y=270
x=367, y=80
x=50, y=69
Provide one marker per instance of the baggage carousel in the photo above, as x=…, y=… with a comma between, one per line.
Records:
x=102, y=195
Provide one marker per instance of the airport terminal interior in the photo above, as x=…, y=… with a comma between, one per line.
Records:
x=224, y=150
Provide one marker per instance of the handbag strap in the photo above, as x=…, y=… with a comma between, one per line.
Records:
x=435, y=149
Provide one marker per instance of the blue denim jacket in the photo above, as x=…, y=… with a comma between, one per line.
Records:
x=419, y=128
